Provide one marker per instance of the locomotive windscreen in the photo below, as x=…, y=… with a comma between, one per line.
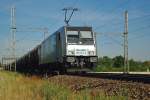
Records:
x=79, y=36
x=85, y=34
x=72, y=37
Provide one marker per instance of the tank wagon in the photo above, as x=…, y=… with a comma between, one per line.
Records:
x=69, y=47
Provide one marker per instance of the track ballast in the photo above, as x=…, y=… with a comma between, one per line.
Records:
x=134, y=77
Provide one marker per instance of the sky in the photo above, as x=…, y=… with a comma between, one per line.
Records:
x=105, y=16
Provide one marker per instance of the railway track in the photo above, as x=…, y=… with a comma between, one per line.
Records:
x=134, y=77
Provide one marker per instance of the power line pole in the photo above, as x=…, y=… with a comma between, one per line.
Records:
x=13, y=34
x=45, y=32
x=126, y=63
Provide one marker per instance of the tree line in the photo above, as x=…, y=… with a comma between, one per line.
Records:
x=106, y=63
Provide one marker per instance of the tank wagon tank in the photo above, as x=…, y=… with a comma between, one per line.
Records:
x=69, y=47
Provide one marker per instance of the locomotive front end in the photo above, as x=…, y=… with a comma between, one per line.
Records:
x=81, y=47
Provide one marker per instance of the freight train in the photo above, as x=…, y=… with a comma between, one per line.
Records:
x=69, y=47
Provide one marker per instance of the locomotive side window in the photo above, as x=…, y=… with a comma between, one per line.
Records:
x=59, y=36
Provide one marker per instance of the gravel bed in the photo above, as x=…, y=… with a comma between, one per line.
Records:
x=132, y=90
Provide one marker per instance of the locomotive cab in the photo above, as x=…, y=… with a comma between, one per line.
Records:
x=80, y=47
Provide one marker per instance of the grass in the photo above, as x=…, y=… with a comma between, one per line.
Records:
x=107, y=69
x=120, y=69
x=14, y=86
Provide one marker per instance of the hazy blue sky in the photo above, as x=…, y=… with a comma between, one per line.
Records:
x=105, y=16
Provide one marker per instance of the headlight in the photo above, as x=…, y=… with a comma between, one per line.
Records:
x=70, y=59
x=71, y=52
x=91, y=52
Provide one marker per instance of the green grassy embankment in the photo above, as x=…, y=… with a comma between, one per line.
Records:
x=120, y=69
x=107, y=69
